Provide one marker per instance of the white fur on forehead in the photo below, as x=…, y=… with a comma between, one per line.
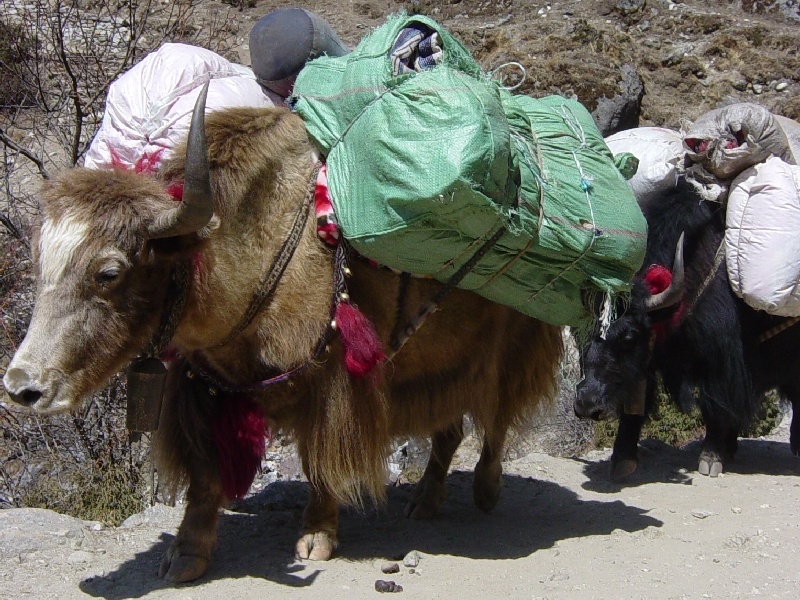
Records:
x=58, y=242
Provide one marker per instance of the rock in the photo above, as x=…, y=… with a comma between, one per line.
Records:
x=158, y=515
x=630, y=6
x=387, y=586
x=29, y=530
x=411, y=559
x=392, y=567
x=622, y=111
x=80, y=557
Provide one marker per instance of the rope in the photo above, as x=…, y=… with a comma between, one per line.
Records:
x=339, y=289
x=771, y=333
x=718, y=258
x=511, y=88
x=177, y=293
x=432, y=305
x=270, y=281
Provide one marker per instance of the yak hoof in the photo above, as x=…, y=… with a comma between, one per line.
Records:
x=622, y=469
x=317, y=545
x=426, y=499
x=710, y=466
x=421, y=508
x=178, y=568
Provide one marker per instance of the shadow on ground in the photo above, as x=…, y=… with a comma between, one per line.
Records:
x=258, y=542
x=662, y=463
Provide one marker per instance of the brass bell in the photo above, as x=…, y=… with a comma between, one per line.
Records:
x=146, y=381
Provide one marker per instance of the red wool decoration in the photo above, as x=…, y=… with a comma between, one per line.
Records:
x=239, y=434
x=362, y=348
x=657, y=278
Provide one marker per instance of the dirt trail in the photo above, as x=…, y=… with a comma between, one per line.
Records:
x=560, y=530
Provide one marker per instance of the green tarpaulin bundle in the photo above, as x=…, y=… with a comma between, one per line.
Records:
x=429, y=159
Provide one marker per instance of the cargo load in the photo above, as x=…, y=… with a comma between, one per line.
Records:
x=435, y=169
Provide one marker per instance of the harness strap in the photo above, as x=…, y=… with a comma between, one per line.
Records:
x=718, y=258
x=177, y=293
x=215, y=382
x=270, y=281
x=432, y=305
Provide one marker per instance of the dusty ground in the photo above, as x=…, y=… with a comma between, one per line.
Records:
x=560, y=530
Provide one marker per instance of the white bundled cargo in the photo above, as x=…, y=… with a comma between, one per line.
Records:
x=761, y=237
x=149, y=107
x=728, y=140
x=659, y=151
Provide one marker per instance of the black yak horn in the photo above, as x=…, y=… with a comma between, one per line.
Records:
x=674, y=291
x=197, y=206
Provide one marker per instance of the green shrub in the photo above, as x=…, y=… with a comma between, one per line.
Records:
x=109, y=495
x=676, y=428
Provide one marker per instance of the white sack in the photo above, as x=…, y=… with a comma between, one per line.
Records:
x=728, y=140
x=792, y=131
x=762, y=237
x=659, y=151
x=150, y=106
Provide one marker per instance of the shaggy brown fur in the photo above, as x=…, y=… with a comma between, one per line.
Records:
x=471, y=357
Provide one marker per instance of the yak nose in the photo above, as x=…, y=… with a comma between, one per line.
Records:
x=585, y=405
x=21, y=387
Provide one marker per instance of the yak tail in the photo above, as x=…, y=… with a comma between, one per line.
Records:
x=344, y=441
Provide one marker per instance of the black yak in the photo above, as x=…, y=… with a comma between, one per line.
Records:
x=708, y=346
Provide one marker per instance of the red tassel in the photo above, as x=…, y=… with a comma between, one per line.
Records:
x=239, y=434
x=657, y=278
x=362, y=348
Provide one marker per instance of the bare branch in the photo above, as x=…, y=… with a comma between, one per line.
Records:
x=8, y=142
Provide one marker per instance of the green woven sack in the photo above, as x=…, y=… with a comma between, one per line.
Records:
x=425, y=167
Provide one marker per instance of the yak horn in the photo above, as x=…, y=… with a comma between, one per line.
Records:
x=674, y=291
x=197, y=206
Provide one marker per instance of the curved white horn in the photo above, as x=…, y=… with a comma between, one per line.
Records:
x=674, y=291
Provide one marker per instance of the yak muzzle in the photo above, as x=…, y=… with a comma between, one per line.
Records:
x=21, y=388
x=27, y=389
x=587, y=403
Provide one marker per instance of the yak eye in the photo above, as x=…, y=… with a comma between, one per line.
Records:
x=107, y=275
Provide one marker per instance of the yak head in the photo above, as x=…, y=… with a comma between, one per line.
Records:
x=104, y=250
x=615, y=365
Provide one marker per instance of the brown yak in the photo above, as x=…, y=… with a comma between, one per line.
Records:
x=107, y=253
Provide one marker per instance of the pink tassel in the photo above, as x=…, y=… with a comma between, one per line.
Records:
x=239, y=433
x=362, y=348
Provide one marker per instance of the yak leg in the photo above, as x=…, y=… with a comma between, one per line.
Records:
x=794, y=428
x=792, y=394
x=486, y=483
x=430, y=491
x=188, y=556
x=624, y=458
x=320, y=521
x=719, y=445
